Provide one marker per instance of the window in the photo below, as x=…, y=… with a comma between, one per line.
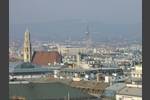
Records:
x=27, y=49
x=27, y=56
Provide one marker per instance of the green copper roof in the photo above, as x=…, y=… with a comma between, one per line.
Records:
x=25, y=65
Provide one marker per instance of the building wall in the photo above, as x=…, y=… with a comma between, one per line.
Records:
x=71, y=51
x=137, y=73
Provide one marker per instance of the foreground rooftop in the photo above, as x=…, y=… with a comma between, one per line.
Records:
x=132, y=91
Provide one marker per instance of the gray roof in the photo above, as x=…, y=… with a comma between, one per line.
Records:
x=29, y=68
x=25, y=70
x=92, y=69
x=26, y=66
x=132, y=91
x=73, y=70
x=116, y=87
x=14, y=64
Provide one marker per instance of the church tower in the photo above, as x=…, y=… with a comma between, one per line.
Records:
x=27, y=47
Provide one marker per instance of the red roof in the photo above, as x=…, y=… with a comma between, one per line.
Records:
x=45, y=57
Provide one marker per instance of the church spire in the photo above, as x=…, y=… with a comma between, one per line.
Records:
x=27, y=46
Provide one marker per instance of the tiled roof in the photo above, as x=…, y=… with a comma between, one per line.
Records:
x=45, y=57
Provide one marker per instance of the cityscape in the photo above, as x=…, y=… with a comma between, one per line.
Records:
x=79, y=67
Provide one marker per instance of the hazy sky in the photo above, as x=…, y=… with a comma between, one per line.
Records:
x=123, y=15
x=108, y=11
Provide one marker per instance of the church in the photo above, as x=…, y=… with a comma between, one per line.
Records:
x=42, y=58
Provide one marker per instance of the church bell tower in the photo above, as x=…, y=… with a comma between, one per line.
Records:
x=27, y=47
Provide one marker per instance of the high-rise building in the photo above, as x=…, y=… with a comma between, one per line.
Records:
x=27, y=47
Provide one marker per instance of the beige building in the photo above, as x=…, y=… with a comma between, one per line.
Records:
x=137, y=72
x=71, y=50
x=130, y=92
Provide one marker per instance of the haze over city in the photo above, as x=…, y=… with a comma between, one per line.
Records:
x=59, y=20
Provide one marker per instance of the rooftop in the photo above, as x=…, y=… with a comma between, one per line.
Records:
x=113, y=89
x=44, y=57
x=132, y=91
x=116, y=87
x=25, y=65
x=31, y=68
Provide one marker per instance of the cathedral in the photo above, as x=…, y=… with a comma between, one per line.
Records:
x=42, y=58
x=27, y=47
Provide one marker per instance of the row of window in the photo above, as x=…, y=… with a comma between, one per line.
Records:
x=136, y=75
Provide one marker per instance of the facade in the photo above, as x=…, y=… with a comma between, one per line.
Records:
x=71, y=50
x=45, y=58
x=130, y=92
x=88, y=74
x=137, y=73
x=27, y=47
